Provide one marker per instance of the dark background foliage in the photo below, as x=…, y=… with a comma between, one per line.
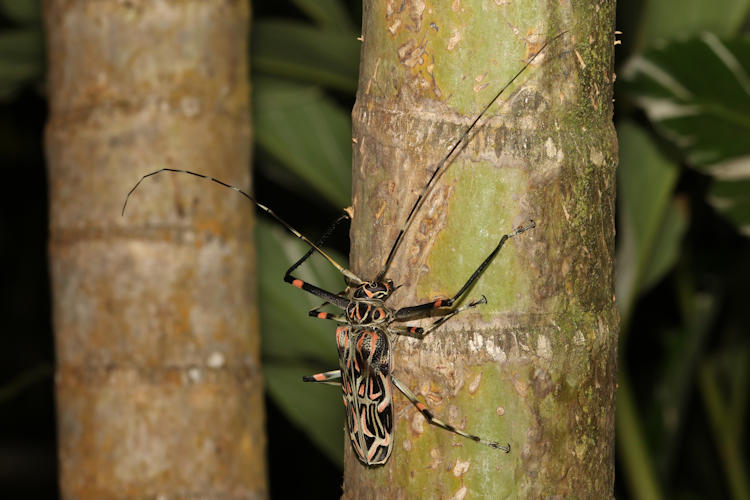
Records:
x=683, y=116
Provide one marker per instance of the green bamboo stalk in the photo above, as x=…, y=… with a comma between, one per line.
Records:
x=536, y=365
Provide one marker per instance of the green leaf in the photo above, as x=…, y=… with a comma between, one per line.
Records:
x=317, y=409
x=728, y=445
x=294, y=344
x=669, y=19
x=308, y=133
x=22, y=11
x=666, y=245
x=329, y=14
x=286, y=329
x=705, y=113
x=684, y=348
x=732, y=198
x=649, y=230
x=21, y=59
x=306, y=53
x=632, y=445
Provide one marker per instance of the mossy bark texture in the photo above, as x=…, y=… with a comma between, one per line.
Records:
x=535, y=367
x=158, y=387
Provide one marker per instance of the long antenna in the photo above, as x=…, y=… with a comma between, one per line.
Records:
x=420, y=199
x=347, y=273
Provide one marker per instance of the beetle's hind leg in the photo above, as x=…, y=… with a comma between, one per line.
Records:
x=427, y=413
x=331, y=378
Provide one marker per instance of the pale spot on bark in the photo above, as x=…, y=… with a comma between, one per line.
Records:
x=393, y=28
x=417, y=423
x=194, y=374
x=215, y=360
x=190, y=106
x=474, y=385
x=580, y=60
x=418, y=8
x=461, y=467
x=436, y=459
x=411, y=53
x=596, y=157
x=543, y=347
x=520, y=388
x=454, y=39
x=460, y=494
x=579, y=339
x=550, y=148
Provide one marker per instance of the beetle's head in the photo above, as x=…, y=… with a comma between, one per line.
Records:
x=379, y=290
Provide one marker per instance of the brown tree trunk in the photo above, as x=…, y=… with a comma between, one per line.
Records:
x=535, y=366
x=159, y=392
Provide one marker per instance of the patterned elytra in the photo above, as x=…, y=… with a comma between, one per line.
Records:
x=364, y=338
x=365, y=358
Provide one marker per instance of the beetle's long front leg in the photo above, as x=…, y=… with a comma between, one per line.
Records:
x=319, y=244
x=337, y=300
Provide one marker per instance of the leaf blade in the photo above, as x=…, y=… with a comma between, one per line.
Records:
x=308, y=133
